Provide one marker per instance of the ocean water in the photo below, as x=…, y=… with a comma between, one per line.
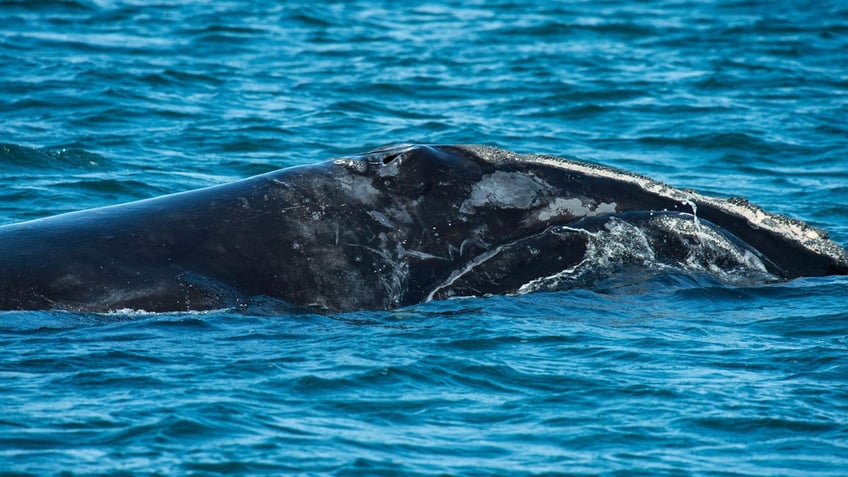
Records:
x=104, y=102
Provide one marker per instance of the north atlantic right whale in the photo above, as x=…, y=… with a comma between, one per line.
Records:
x=393, y=227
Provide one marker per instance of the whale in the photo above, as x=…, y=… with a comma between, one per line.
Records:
x=397, y=226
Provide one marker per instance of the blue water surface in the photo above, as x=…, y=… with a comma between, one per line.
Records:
x=103, y=102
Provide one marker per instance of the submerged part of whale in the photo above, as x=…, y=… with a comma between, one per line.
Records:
x=393, y=227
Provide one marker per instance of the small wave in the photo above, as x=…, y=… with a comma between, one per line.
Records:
x=723, y=141
x=53, y=6
x=15, y=157
x=43, y=322
x=104, y=186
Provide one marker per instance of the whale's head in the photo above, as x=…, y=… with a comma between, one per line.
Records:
x=403, y=224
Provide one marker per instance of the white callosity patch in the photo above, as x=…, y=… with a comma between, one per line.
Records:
x=621, y=244
x=505, y=190
x=357, y=166
x=574, y=207
x=711, y=251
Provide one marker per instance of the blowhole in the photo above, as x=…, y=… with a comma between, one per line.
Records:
x=391, y=157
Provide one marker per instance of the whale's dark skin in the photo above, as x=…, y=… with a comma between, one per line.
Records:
x=389, y=228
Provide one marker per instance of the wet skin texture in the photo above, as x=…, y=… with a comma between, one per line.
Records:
x=389, y=228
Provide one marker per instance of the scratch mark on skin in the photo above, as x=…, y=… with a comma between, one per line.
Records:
x=381, y=219
x=254, y=217
x=293, y=207
x=417, y=254
x=485, y=257
x=393, y=283
x=469, y=242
